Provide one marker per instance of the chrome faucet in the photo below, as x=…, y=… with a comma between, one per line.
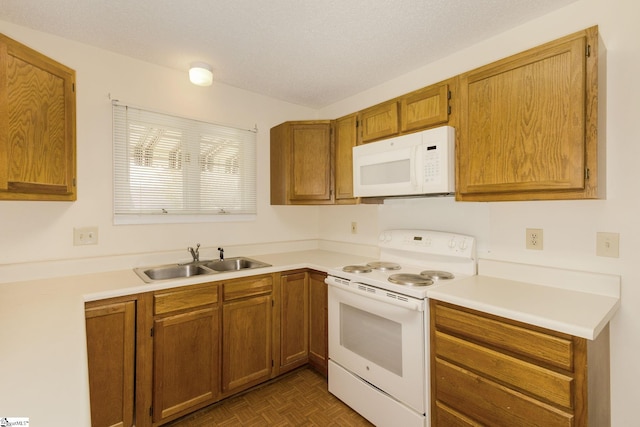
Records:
x=221, y=254
x=195, y=253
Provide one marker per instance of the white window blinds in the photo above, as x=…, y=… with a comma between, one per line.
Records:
x=173, y=169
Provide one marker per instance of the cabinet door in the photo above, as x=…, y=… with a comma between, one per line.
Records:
x=294, y=320
x=37, y=125
x=110, y=351
x=424, y=108
x=318, y=321
x=524, y=132
x=379, y=121
x=346, y=137
x=311, y=163
x=246, y=347
x=186, y=362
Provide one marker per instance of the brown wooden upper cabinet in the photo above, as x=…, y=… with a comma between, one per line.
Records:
x=37, y=125
x=414, y=111
x=302, y=163
x=425, y=108
x=528, y=124
x=346, y=137
x=379, y=121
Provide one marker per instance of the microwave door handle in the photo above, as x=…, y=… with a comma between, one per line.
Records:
x=414, y=169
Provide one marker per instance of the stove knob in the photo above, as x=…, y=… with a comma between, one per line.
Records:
x=452, y=243
x=385, y=237
x=463, y=244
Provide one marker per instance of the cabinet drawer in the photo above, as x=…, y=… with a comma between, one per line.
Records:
x=490, y=403
x=447, y=417
x=242, y=288
x=184, y=298
x=542, y=383
x=546, y=348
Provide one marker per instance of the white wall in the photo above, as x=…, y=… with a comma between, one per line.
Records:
x=37, y=231
x=569, y=226
x=40, y=231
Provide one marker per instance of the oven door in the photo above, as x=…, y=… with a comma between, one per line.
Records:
x=381, y=339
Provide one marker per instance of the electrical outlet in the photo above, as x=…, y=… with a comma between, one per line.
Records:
x=354, y=227
x=534, y=238
x=608, y=244
x=85, y=236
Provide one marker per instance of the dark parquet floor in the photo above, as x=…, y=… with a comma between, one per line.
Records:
x=299, y=398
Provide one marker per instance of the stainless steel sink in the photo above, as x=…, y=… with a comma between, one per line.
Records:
x=170, y=271
x=177, y=271
x=235, y=264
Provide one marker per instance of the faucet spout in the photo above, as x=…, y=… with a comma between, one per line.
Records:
x=221, y=254
x=195, y=254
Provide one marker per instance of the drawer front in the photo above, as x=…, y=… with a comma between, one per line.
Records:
x=184, y=298
x=545, y=348
x=447, y=417
x=540, y=382
x=490, y=403
x=248, y=287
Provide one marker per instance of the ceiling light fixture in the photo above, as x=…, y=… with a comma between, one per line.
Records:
x=201, y=74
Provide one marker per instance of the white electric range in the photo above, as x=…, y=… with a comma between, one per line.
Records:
x=378, y=323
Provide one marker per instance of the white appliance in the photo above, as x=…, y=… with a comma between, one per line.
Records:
x=415, y=164
x=379, y=323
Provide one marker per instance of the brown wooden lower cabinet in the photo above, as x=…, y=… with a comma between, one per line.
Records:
x=246, y=330
x=110, y=351
x=294, y=320
x=491, y=371
x=187, y=347
x=318, y=351
x=186, y=361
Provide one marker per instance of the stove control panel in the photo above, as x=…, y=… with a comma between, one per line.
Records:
x=429, y=242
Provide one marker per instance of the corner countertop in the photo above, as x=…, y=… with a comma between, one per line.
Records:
x=574, y=302
x=43, y=364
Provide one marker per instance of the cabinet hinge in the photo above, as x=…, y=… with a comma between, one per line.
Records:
x=150, y=411
x=586, y=173
x=449, y=95
x=272, y=364
x=449, y=110
x=357, y=124
x=588, y=50
x=73, y=87
x=273, y=303
x=151, y=332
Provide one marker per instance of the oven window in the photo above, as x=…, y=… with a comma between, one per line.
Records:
x=372, y=337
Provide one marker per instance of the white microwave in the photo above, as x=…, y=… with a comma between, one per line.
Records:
x=420, y=163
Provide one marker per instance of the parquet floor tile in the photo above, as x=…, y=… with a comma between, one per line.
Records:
x=299, y=398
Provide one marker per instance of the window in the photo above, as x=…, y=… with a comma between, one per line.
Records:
x=172, y=169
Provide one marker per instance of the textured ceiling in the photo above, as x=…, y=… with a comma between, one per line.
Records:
x=308, y=52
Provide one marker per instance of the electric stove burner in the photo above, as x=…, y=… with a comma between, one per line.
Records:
x=357, y=269
x=410, y=280
x=437, y=275
x=383, y=266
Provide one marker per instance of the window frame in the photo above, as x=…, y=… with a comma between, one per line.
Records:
x=235, y=170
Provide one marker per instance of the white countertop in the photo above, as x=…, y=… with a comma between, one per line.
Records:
x=573, y=302
x=43, y=363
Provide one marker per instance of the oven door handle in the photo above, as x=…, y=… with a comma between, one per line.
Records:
x=392, y=298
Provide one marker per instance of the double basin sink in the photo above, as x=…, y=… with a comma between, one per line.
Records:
x=198, y=268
